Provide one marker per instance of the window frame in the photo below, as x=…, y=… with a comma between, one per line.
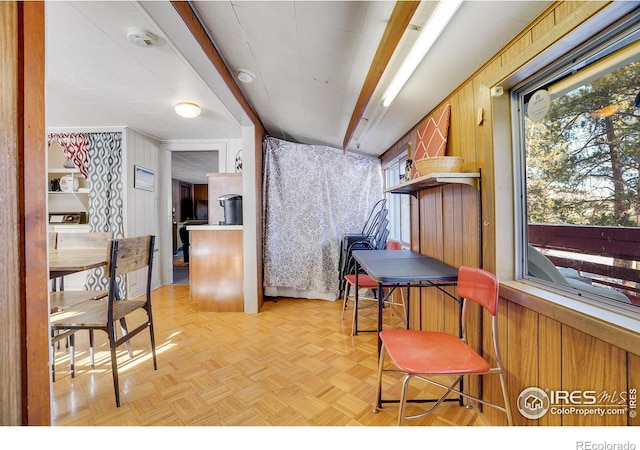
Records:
x=598, y=48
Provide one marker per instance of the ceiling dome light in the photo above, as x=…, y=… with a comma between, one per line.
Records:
x=140, y=37
x=187, y=110
x=245, y=76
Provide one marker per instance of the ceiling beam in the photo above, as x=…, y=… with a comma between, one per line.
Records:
x=191, y=20
x=400, y=18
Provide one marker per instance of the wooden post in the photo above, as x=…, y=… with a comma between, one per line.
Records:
x=24, y=355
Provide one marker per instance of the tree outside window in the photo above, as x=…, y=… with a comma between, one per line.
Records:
x=582, y=164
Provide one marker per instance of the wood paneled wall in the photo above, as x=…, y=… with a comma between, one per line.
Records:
x=457, y=224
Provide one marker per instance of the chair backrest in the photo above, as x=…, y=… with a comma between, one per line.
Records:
x=369, y=225
x=93, y=240
x=53, y=240
x=129, y=254
x=541, y=267
x=381, y=231
x=479, y=286
x=381, y=240
x=394, y=244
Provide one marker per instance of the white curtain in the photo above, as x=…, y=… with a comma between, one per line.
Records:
x=312, y=196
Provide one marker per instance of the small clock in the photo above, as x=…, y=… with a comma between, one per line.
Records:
x=69, y=183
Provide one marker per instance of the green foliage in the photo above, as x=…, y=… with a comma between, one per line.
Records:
x=583, y=158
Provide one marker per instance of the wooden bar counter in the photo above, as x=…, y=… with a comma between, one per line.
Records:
x=216, y=267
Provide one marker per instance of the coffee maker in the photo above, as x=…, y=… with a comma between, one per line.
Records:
x=232, y=204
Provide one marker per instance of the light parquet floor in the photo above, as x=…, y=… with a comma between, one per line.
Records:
x=292, y=364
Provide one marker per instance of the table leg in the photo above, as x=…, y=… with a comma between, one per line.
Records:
x=380, y=309
x=407, y=306
x=355, y=303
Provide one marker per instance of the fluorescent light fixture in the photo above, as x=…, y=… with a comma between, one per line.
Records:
x=428, y=36
x=187, y=110
x=596, y=70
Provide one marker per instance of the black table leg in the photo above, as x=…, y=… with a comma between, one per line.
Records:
x=355, y=303
x=380, y=309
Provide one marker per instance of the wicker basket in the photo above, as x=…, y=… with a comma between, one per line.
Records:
x=439, y=164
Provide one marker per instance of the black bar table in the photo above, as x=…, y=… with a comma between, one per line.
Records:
x=402, y=268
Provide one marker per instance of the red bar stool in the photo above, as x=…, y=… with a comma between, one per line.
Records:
x=421, y=354
x=366, y=282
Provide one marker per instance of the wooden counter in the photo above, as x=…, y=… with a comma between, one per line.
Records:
x=216, y=267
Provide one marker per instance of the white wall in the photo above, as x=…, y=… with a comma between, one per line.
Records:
x=249, y=220
x=142, y=207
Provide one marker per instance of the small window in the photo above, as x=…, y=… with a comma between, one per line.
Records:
x=578, y=128
x=398, y=204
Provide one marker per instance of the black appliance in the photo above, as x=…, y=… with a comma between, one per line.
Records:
x=232, y=204
x=184, y=236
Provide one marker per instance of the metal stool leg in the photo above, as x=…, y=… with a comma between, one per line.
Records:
x=345, y=300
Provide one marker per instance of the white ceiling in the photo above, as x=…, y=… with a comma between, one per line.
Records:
x=310, y=59
x=193, y=166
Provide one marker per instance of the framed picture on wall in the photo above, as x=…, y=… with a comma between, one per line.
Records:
x=144, y=178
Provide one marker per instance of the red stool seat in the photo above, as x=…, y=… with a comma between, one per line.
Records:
x=414, y=351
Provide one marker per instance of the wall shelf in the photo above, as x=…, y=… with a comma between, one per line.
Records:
x=436, y=179
x=70, y=201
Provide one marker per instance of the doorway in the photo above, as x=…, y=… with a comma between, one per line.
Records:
x=184, y=212
x=189, y=170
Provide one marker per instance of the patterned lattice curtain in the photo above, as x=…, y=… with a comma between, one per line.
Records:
x=75, y=147
x=106, y=195
x=313, y=195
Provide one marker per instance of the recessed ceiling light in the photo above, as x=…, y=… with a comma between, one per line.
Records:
x=187, y=110
x=245, y=76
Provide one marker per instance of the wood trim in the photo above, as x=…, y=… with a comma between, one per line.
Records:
x=10, y=333
x=37, y=401
x=24, y=368
x=190, y=18
x=398, y=22
x=569, y=29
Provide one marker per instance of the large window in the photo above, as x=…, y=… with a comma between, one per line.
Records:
x=398, y=204
x=578, y=125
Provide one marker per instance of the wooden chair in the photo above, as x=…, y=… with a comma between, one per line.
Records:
x=59, y=299
x=424, y=354
x=366, y=282
x=92, y=240
x=126, y=255
x=53, y=239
